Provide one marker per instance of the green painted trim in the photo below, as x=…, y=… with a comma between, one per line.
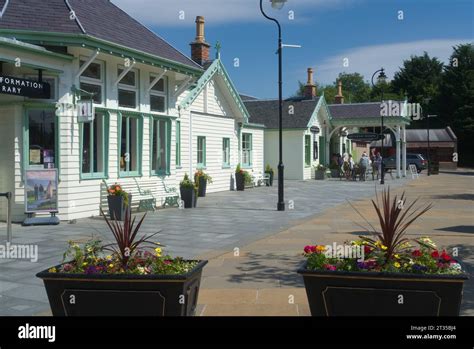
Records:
x=215, y=68
x=201, y=165
x=87, y=41
x=369, y=121
x=26, y=136
x=34, y=66
x=254, y=126
x=139, y=143
x=22, y=46
x=224, y=141
x=248, y=164
x=178, y=144
x=168, y=125
x=105, y=150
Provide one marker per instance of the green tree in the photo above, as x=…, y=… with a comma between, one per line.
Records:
x=354, y=88
x=456, y=99
x=419, y=79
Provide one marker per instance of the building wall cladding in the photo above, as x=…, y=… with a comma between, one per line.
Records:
x=79, y=197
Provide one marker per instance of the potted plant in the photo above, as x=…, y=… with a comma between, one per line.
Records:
x=320, y=172
x=127, y=278
x=384, y=275
x=269, y=171
x=335, y=170
x=188, y=192
x=240, y=178
x=202, y=179
x=118, y=201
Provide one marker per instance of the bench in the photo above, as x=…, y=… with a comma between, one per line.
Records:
x=142, y=193
x=171, y=195
x=259, y=178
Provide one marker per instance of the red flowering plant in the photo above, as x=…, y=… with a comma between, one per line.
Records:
x=129, y=254
x=388, y=250
x=117, y=190
x=245, y=174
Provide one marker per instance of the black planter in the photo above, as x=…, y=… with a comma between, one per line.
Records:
x=338, y=293
x=240, y=181
x=202, y=186
x=123, y=295
x=319, y=175
x=117, y=206
x=271, y=179
x=188, y=195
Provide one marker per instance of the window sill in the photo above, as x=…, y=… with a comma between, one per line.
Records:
x=92, y=176
x=160, y=174
x=247, y=166
x=225, y=166
x=129, y=174
x=201, y=167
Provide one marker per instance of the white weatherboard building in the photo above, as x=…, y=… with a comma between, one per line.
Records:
x=158, y=113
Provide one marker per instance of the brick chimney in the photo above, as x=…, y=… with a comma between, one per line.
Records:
x=339, y=98
x=199, y=47
x=310, y=87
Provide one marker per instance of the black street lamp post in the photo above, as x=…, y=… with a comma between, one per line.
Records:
x=381, y=79
x=428, y=138
x=278, y=4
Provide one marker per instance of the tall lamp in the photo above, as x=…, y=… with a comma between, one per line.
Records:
x=381, y=79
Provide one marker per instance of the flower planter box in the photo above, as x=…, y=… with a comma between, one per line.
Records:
x=188, y=195
x=117, y=206
x=319, y=175
x=240, y=181
x=340, y=293
x=202, y=187
x=123, y=295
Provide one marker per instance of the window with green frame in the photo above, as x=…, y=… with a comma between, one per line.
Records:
x=41, y=148
x=94, y=147
x=201, y=151
x=131, y=127
x=160, y=146
x=247, y=149
x=225, y=152
x=178, y=143
x=307, y=150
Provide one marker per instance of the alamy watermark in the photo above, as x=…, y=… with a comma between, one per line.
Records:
x=345, y=251
x=19, y=251
x=396, y=108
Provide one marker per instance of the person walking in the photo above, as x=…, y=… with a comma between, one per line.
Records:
x=363, y=165
x=378, y=164
x=352, y=167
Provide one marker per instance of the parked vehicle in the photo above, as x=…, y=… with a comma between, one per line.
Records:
x=412, y=159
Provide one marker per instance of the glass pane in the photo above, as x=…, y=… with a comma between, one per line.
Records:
x=133, y=144
x=86, y=147
x=129, y=79
x=159, y=86
x=162, y=146
x=127, y=99
x=157, y=103
x=93, y=71
x=41, y=138
x=123, y=145
x=178, y=143
x=200, y=150
x=95, y=89
x=98, y=144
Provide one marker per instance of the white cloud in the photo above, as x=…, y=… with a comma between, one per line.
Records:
x=367, y=59
x=166, y=12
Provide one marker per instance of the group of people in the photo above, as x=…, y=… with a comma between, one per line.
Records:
x=348, y=166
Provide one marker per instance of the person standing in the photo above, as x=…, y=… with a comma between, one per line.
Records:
x=364, y=164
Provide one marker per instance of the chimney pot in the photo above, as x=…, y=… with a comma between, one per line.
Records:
x=199, y=47
x=339, y=98
x=310, y=88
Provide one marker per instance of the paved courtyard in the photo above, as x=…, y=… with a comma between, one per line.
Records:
x=262, y=278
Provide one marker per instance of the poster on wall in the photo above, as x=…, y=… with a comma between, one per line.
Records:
x=41, y=191
x=85, y=111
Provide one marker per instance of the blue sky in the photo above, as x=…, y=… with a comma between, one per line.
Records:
x=367, y=33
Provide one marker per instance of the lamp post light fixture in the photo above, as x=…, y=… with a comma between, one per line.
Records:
x=381, y=79
x=278, y=4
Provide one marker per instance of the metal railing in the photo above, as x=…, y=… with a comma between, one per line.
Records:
x=8, y=195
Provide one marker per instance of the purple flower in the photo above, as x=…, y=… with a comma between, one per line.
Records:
x=91, y=269
x=419, y=268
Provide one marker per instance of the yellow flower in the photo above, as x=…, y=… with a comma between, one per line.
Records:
x=397, y=265
x=158, y=252
x=397, y=256
x=383, y=247
x=52, y=270
x=320, y=248
x=109, y=257
x=111, y=265
x=84, y=264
